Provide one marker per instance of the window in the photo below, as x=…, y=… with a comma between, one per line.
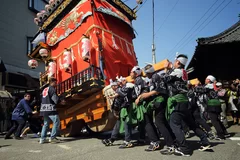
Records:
x=30, y=46
x=36, y=5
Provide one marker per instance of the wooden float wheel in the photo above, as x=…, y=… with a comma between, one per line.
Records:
x=74, y=128
x=106, y=123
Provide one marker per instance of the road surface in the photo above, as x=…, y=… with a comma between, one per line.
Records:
x=91, y=148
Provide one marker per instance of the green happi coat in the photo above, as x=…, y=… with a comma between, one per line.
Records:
x=135, y=113
x=172, y=102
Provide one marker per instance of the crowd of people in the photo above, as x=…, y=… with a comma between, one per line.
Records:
x=26, y=116
x=163, y=104
x=167, y=104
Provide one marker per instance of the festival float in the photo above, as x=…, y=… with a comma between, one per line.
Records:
x=84, y=44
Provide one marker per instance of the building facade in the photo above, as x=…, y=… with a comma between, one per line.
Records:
x=17, y=29
x=217, y=55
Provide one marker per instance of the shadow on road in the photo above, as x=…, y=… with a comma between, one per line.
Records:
x=5, y=146
x=195, y=144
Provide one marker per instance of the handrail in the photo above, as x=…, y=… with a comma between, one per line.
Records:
x=78, y=79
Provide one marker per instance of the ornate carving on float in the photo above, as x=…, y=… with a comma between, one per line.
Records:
x=56, y=13
x=125, y=8
x=33, y=64
x=48, y=8
x=53, y=38
x=73, y=18
x=68, y=24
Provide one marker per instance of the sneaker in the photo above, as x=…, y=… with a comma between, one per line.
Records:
x=211, y=135
x=35, y=135
x=178, y=152
x=22, y=136
x=187, y=135
x=226, y=134
x=48, y=133
x=19, y=138
x=153, y=147
x=168, y=151
x=8, y=137
x=54, y=140
x=217, y=138
x=107, y=142
x=141, y=142
x=126, y=145
x=205, y=147
x=41, y=141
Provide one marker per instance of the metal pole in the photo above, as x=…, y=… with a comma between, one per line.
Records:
x=153, y=44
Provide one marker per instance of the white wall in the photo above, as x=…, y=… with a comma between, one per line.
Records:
x=16, y=23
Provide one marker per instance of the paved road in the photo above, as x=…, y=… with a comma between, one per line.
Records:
x=91, y=149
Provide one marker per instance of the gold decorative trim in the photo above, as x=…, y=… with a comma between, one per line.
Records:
x=67, y=2
x=56, y=13
x=86, y=33
x=125, y=8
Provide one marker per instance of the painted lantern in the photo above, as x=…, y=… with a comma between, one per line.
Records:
x=51, y=69
x=43, y=52
x=32, y=63
x=86, y=48
x=67, y=60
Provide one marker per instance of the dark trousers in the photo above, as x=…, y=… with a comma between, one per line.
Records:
x=221, y=130
x=17, y=127
x=35, y=124
x=150, y=128
x=200, y=121
x=127, y=128
x=235, y=114
x=176, y=119
x=163, y=127
x=141, y=130
x=185, y=127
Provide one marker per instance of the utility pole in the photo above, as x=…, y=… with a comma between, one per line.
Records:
x=153, y=44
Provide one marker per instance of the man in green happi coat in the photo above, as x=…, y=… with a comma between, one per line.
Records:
x=178, y=108
x=155, y=101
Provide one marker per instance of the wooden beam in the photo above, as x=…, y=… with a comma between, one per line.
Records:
x=84, y=103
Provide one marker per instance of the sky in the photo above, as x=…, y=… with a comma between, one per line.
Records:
x=177, y=31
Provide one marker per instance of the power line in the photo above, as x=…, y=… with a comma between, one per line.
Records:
x=200, y=25
x=208, y=23
x=167, y=16
x=203, y=23
x=194, y=26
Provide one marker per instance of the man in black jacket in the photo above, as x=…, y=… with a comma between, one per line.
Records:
x=48, y=111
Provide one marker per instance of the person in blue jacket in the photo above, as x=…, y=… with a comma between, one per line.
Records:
x=19, y=117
